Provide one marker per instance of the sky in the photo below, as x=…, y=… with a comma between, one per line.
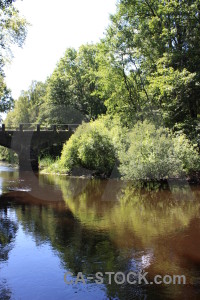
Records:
x=55, y=26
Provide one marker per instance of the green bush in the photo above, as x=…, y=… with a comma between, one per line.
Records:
x=152, y=153
x=93, y=147
x=46, y=162
x=8, y=155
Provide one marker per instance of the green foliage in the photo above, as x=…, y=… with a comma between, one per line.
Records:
x=71, y=90
x=27, y=107
x=69, y=95
x=156, y=153
x=46, y=162
x=8, y=155
x=20, y=114
x=93, y=147
x=171, y=89
x=12, y=31
x=150, y=63
x=58, y=114
x=5, y=96
x=116, y=84
x=146, y=68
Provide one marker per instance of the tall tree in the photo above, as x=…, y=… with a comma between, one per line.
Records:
x=12, y=31
x=27, y=106
x=154, y=47
x=20, y=113
x=71, y=89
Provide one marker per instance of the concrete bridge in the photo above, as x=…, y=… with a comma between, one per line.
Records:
x=28, y=139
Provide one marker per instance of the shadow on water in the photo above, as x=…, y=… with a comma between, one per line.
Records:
x=108, y=226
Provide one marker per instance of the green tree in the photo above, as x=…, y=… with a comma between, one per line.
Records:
x=119, y=85
x=27, y=107
x=6, y=100
x=36, y=94
x=148, y=43
x=71, y=90
x=12, y=31
x=20, y=113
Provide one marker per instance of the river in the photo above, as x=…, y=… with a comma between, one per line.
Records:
x=57, y=233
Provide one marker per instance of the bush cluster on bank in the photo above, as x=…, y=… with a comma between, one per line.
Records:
x=156, y=153
x=145, y=152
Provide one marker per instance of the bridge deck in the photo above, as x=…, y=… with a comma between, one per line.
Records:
x=37, y=127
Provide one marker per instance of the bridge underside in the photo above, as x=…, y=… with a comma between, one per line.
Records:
x=28, y=160
x=28, y=144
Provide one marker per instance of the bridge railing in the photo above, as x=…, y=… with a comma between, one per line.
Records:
x=38, y=127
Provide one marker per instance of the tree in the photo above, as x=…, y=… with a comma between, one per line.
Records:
x=12, y=31
x=149, y=42
x=116, y=84
x=6, y=100
x=71, y=89
x=26, y=108
x=20, y=113
x=36, y=94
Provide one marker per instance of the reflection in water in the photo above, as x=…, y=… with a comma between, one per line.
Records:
x=8, y=229
x=7, y=177
x=94, y=226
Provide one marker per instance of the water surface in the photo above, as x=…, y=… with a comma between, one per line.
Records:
x=50, y=225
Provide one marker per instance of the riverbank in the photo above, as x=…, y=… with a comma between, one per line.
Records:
x=193, y=179
x=79, y=172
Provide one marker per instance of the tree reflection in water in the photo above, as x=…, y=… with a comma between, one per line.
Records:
x=136, y=230
x=157, y=223
x=8, y=229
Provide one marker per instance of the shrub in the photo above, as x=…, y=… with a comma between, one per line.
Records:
x=154, y=153
x=93, y=146
x=8, y=155
x=46, y=162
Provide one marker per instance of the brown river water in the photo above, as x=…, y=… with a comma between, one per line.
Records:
x=51, y=225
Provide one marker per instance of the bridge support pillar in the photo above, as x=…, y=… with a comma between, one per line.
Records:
x=28, y=160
